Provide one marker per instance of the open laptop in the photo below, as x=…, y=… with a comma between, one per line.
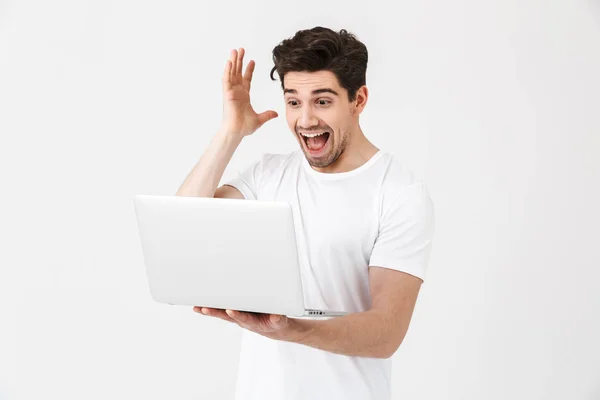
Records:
x=222, y=253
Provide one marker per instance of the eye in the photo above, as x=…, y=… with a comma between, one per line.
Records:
x=322, y=102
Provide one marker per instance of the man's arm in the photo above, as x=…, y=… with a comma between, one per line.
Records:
x=203, y=179
x=377, y=332
x=239, y=121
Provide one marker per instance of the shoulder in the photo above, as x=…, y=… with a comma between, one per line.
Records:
x=272, y=162
x=402, y=185
x=397, y=173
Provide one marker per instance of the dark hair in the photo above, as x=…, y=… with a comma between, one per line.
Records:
x=321, y=48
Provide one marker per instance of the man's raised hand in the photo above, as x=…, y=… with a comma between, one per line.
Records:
x=239, y=118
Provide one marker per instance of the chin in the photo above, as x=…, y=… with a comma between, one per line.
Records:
x=316, y=159
x=321, y=161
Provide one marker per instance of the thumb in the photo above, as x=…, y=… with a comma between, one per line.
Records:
x=276, y=318
x=267, y=116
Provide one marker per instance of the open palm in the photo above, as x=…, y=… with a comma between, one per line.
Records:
x=238, y=115
x=258, y=322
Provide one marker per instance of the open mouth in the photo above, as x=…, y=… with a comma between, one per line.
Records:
x=316, y=142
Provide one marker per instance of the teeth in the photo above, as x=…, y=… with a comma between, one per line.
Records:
x=312, y=134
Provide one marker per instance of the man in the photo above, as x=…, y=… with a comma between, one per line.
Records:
x=366, y=225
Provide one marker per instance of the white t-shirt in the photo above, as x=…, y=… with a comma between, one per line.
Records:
x=378, y=214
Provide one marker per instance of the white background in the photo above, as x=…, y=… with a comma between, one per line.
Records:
x=496, y=105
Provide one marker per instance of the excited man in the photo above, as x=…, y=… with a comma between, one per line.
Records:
x=365, y=218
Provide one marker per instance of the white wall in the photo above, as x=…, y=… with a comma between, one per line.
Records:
x=495, y=104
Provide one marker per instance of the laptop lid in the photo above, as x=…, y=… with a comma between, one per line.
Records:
x=221, y=253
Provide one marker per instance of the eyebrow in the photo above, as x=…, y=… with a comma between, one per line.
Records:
x=316, y=91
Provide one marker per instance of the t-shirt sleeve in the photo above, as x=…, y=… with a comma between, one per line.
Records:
x=248, y=180
x=406, y=232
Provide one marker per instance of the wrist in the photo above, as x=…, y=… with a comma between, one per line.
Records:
x=229, y=134
x=297, y=330
x=228, y=138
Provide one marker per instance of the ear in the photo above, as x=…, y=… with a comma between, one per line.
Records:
x=359, y=103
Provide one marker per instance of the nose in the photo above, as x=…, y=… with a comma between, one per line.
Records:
x=308, y=120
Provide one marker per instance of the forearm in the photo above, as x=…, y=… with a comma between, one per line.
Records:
x=364, y=334
x=204, y=178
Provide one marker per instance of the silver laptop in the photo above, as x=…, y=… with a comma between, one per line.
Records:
x=222, y=253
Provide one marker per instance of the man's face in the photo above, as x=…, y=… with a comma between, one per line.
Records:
x=312, y=107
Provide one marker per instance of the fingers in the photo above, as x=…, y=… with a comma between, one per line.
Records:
x=233, y=70
x=240, y=62
x=248, y=74
x=227, y=76
x=267, y=116
x=244, y=317
x=233, y=59
x=237, y=58
x=214, y=312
